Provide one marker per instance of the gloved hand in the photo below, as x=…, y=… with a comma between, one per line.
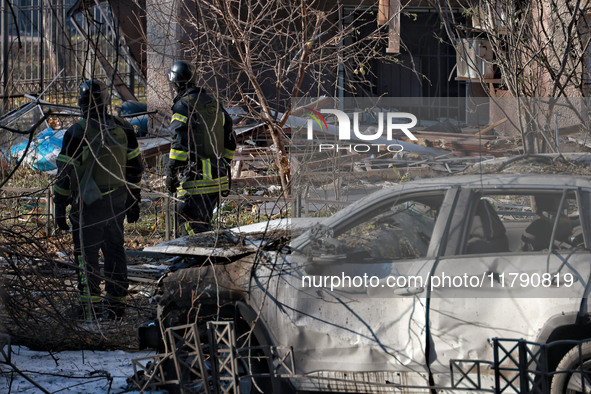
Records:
x=60, y=217
x=172, y=179
x=133, y=206
x=171, y=182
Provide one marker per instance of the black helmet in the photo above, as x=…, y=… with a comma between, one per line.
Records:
x=93, y=95
x=180, y=75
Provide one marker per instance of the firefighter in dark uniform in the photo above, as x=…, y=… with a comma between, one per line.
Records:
x=203, y=145
x=99, y=175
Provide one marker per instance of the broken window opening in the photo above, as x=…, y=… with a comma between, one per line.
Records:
x=399, y=230
x=523, y=222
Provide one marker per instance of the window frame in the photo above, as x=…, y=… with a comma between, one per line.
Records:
x=369, y=218
x=356, y=217
x=475, y=194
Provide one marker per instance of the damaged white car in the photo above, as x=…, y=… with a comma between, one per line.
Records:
x=471, y=283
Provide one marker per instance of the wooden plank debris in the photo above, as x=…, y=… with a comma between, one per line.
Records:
x=492, y=126
x=584, y=142
x=254, y=160
x=153, y=148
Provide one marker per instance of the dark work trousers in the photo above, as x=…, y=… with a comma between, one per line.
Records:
x=194, y=212
x=99, y=226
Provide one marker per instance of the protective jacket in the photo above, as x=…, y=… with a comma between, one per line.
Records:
x=101, y=158
x=203, y=143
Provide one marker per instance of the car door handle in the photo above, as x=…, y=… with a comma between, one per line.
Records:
x=409, y=291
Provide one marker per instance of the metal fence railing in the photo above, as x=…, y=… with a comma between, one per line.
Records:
x=42, y=50
x=32, y=209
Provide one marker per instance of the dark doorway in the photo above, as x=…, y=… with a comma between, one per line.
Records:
x=425, y=69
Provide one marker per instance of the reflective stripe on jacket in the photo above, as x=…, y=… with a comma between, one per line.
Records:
x=203, y=142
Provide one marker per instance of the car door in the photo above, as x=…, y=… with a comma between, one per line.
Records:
x=522, y=259
x=353, y=298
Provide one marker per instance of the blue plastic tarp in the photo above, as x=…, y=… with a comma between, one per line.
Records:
x=43, y=151
x=140, y=121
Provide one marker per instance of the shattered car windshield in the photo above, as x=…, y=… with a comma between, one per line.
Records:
x=398, y=230
x=26, y=116
x=23, y=118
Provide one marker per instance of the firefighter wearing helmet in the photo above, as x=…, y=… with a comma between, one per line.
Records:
x=203, y=144
x=99, y=174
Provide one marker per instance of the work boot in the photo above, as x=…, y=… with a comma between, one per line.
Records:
x=88, y=311
x=113, y=308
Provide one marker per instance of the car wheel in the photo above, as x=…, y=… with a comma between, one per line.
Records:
x=572, y=381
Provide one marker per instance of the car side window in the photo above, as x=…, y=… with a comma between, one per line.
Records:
x=523, y=223
x=400, y=231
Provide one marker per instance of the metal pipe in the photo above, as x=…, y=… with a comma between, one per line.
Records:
x=167, y=218
x=557, y=132
x=49, y=211
x=41, y=30
x=4, y=56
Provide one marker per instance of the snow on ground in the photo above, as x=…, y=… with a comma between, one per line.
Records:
x=69, y=371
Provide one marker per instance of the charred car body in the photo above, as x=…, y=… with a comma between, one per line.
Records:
x=406, y=286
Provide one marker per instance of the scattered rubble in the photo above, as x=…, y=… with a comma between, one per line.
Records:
x=37, y=289
x=567, y=163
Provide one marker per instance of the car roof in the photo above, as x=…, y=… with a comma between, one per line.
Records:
x=488, y=181
x=526, y=181
x=522, y=182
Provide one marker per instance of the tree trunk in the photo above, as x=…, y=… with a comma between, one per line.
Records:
x=281, y=159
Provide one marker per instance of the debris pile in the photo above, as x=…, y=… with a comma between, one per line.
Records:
x=39, y=298
x=567, y=163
